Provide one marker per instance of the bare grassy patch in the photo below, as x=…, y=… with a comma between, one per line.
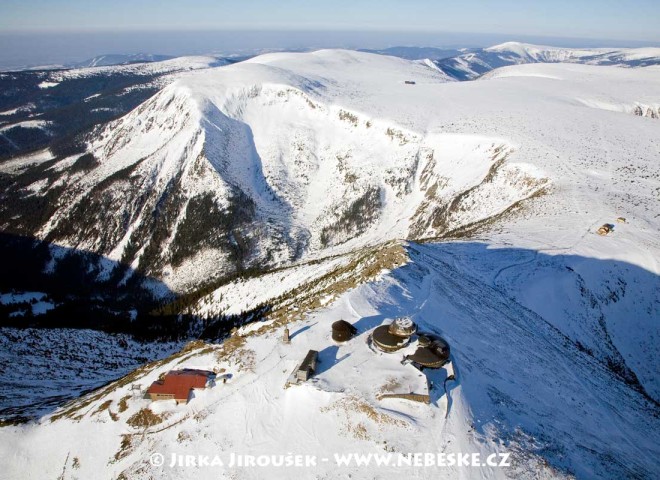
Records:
x=351, y=405
x=145, y=418
x=246, y=359
x=103, y=407
x=125, y=447
x=123, y=404
x=229, y=347
x=391, y=384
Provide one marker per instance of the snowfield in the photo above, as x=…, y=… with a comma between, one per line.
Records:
x=40, y=124
x=318, y=166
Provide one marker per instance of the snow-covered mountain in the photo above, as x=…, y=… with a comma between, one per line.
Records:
x=282, y=157
x=304, y=188
x=477, y=62
x=260, y=163
x=56, y=108
x=121, y=59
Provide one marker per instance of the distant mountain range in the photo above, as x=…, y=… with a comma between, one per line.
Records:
x=474, y=63
x=120, y=59
x=459, y=63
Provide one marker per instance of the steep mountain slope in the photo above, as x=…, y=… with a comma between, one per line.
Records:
x=522, y=387
x=69, y=362
x=290, y=157
x=273, y=160
x=265, y=162
x=475, y=63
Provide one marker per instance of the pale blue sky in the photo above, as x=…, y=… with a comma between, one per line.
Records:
x=55, y=32
x=608, y=19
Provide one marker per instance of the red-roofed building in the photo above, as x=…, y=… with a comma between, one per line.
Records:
x=179, y=384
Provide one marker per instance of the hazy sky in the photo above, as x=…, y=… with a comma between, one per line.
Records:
x=47, y=32
x=609, y=19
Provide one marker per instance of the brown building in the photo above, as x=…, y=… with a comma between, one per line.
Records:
x=387, y=342
x=433, y=352
x=178, y=385
x=395, y=336
x=342, y=331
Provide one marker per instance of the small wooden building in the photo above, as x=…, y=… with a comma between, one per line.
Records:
x=342, y=331
x=605, y=229
x=308, y=366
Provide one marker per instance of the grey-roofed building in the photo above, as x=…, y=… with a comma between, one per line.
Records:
x=308, y=366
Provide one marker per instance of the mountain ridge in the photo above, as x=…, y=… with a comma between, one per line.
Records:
x=194, y=141
x=474, y=64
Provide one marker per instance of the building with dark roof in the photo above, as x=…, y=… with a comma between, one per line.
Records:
x=433, y=352
x=396, y=335
x=385, y=341
x=308, y=366
x=342, y=331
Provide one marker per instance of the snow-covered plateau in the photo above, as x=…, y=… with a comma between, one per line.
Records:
x=313, y=187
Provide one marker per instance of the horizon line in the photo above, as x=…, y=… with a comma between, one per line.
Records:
x=311, y=30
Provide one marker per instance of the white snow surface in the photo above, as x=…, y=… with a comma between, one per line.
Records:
x=178, y=64
x=40, y=124
x=25, y=161
x=547, y=321
x=527, y=51
x=45, y=84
